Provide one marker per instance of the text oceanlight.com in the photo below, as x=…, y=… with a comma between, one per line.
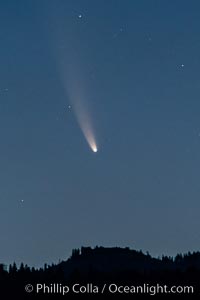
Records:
x=58, y=288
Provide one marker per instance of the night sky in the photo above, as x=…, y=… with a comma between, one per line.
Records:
x=134, y=69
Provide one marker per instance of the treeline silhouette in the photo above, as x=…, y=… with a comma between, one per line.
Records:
x=98, y=266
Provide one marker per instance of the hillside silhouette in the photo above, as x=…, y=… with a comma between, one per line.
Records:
x=95, y=267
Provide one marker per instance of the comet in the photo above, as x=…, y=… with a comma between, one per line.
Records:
x=75, y=85
x=84, y=120
x=89, y=136
x=78, y=99
x=75, y=78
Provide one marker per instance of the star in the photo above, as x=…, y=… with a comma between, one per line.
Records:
x=121, y=29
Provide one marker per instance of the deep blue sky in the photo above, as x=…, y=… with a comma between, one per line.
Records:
x=138, y=63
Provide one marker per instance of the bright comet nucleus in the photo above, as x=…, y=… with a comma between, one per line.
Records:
x=94, y=149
